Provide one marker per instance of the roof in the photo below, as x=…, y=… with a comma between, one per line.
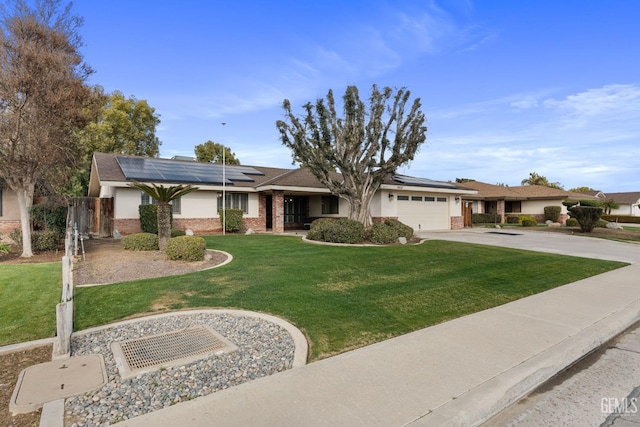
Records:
x=119, y=170
x=521, y=192
x=630, y=198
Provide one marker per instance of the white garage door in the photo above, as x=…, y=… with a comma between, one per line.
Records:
x=422, y=212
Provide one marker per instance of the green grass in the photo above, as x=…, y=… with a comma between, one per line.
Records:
x=28, y=297
x=344, y=297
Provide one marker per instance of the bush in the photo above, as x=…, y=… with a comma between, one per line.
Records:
x=587, y=216
x=148, y=218
x=46, y=240
x=622, y=218
x=389, y=231
x=601, y=223
x=572, y=222
x=528, y=221
x=590, y=203
x=176, y=233
x=140, y=242
x=232, y=219
x=485, y=218
x=4, y=248
x=513, y=219
x=16, y=236
x=340, y=230
x=49, y=217
x=552, y=213
x=186, y=248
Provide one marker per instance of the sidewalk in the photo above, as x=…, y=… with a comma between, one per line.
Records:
x=457, y=373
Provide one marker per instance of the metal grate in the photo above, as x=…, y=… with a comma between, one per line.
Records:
x=170, y=349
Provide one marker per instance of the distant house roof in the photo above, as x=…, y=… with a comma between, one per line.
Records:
x=120, y=170
x=630, y=198
x=521, y=192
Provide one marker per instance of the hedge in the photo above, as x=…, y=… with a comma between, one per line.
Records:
x=485, y=218
x=340, y=230
x=186, y=248
x=140, y=242
x=552, y=213
x=630, y=219
x=232, y=219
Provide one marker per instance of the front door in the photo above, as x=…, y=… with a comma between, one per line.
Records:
x=467, y=212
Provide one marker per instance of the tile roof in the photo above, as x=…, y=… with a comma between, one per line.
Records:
x=629, y=198
x=521, y=192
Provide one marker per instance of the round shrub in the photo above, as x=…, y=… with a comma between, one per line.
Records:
x=186, y=248
x=389, y=231
x=572, y=222
x=601, y=223
x=552, y=213
x=140, y=242
x=44, y=240
x=176, y=233
x=318, y=226
x=528, y=221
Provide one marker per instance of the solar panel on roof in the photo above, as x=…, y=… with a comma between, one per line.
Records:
x=163, y=170
x=422, y=182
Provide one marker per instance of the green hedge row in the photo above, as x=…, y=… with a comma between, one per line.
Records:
x=622, y=218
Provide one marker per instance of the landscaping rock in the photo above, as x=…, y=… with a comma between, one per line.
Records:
x=554, y=224
x=250, y=231
x=402, y=240
x=188, y=232
x=614, y=226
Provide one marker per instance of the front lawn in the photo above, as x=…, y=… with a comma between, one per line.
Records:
x=28, y=297
x=343, y=297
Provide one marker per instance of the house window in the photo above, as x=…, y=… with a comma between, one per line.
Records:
x=146, y=200
x=330, y=205
x=442, y=199
x=403, y=197
x=416, y=198
x=429, y=199
x=513, y=207
x=235, y=201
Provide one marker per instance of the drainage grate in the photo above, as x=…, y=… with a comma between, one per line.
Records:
x=504, y=233
x=171, y=349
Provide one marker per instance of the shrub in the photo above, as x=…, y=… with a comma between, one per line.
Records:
x=572, y=222
x=186, y=248
x=587, y=216
x=140, y=242
x=569, y=203
x=49, y=217
x=389, y=231
x=232, y=219
x=485, y=218
x=176, y=233
x=552, y=213
x=148, y=218
x=528, y=221
x=513, y=219
x=4, y=248
x=601, y=223
x=46, y=240
x=590, y=203
x=340, y=230
x=16, y=236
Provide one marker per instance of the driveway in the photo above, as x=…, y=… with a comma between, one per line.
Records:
x=539, y=241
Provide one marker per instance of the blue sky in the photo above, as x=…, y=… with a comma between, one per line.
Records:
x=508, y=87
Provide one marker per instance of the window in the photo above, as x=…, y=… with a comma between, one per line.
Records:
x=513, y=207
x=429, y=199
x=175, y=203
x=416, y=198
x=330, y=205
x=442, y=199
x=235, y=201
x=403, y=197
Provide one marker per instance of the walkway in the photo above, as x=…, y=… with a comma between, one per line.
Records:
x=456, y=373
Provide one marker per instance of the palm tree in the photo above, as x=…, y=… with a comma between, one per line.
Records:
x=608, y=205
x=164, y=196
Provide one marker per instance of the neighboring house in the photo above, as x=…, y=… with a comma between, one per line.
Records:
x=9, y=211
x=272, y=199
x=520, y=200
x=629, y=203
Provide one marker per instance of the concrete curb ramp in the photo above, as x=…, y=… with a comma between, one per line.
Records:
x=458, y=373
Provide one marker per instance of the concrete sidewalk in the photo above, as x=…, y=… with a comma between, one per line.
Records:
x=457, y=373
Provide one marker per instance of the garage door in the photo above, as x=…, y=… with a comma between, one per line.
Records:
x=422, y=212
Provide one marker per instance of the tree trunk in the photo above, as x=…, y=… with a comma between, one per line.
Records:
x=25, y=201
x=359, y=207
x=164, y=224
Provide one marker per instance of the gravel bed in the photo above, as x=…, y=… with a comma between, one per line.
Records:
x=264, y=349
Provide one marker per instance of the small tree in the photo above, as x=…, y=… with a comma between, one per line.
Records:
x=586, y=213
x=608, y=205
x=211, y=152
x=164, y=196
x=535, y=179
x=366, y=145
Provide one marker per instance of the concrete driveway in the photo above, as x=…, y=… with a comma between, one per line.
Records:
x=540, y=241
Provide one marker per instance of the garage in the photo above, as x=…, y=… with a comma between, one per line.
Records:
x=424, y=212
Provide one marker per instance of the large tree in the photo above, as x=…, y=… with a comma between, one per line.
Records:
x=212, y=152
x=366, y=145
x=535, y=179
x=42, y=94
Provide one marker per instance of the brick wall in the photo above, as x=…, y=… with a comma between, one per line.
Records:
x=278, y=212
x=6, y=227
x=457, y=222
x=127, y=226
